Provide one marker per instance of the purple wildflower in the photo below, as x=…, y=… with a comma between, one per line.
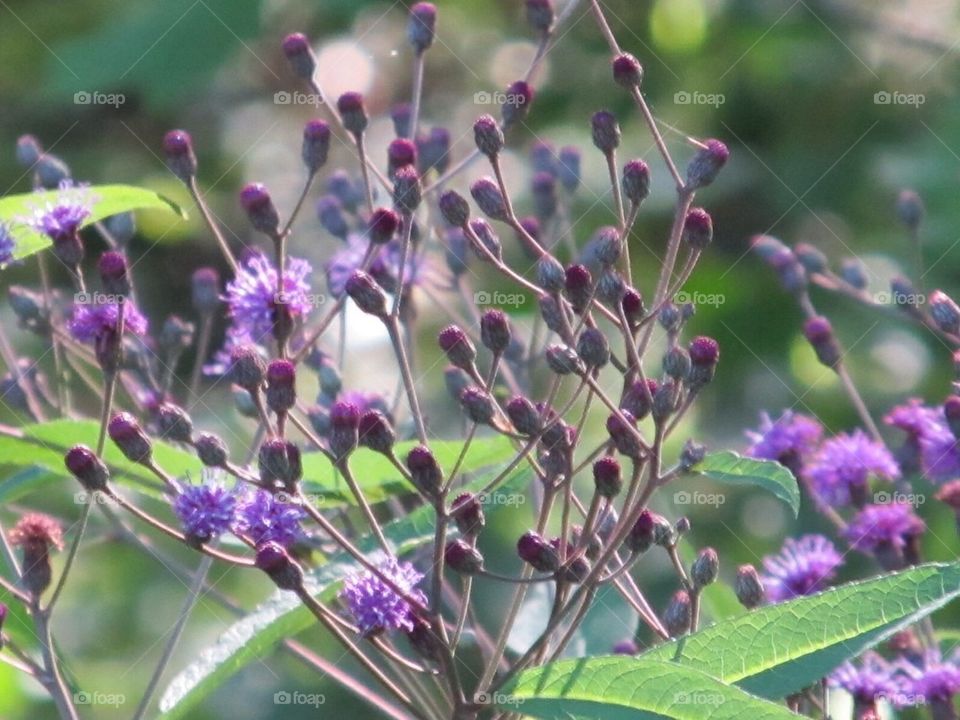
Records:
x=91, y=323
x=385, y=263
x=803, y=567
x=7, y=245
x=878, y=527
x=789, y=440
x=375, y=605
x=920, y=423
x=267, y=518
x=60, y=220
x=253, y=296
x=205, y=511
x=939, y=451
x=936, y=680
x=841, y=469
x=874, y=679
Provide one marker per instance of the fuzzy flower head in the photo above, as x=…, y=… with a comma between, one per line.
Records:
x=375, y=605
x=872, y=680
x=842, y=468
x=36, y=529
x=889, y=525
x=62, y=218
x=921, y=425
x=268, y=518
x=803, y=567
x=939, y=450
x=790, y=439
x=384, y=265
x=935, y=680
x=7, y=245
x=253, y=296
x=94, y=322
x=205, y=511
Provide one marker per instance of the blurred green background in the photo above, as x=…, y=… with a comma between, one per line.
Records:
x=792, y=87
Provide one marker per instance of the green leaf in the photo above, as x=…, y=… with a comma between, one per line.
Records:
x=379, y=479
x=626, y=688
x=106, y=200
x=780, y=649
x=282, y=616
x=733, y=469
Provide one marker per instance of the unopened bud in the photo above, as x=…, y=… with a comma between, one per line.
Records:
x=211, y=450
x=274, y=560
x=563, y=360
x=425, y=473
x=113, y=273
x=540, y=15
x=812, y=259
x=344, y=435
x=352, y=112
x=623, y=432
x=89, y=469
x=367, y=294
x=945, y=312
x=127, y=434
x=495, y=331
x=478, y=405
x=281, y=386
x=627, y=70
x=592, y=347
x=489, y=242
x=705, y=568
x=205, y=290
x=263, y=215
x=247, y=367
x=605, y=131
x=676, y=363
x=819, y=334
x=855, y=273
x=300, y=55
x=467, y=513
x=539, y=553
x=910, y=210
x=568, y=168
x=488, y=136
x=704, y=356
x=636, y=181
x=486, y=193
x=524, y=415
x=518, y=97
x=748, y=587
x=697, y=228
x=677, y=617
x=606, y=477
x=421, y=25
x=706, y=164
x=178, y=148
x=279, y=461
x=316, y=145
x=462, y=557
x=454, y=208
x=174, y=423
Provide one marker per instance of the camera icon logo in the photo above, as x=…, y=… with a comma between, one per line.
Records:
x=282, y=698
x=282, y=97
x=482, y=97
x=82, y=98
x=882, y=97
x=682, y=97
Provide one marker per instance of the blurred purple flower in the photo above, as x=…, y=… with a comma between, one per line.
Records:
x=789, y=440
x=873, y=679
x=882, y=526
x=375, y=605
x=267, y=518
x=205, y=511
x=386, y=260
x=90, y=323
x=803, y=567
x=253, y=296
x=61, y=219
x=7, y=244
x=844, y=464
x=935, y=680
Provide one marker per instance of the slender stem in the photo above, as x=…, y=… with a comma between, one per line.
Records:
x=418, y=67
x=393, y=328
x=344, y=467
x=212, y=224
x=52, y=678
x=203, y=347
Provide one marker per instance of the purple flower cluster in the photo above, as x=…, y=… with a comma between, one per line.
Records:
x=935, y=679
x=375, y=605
x=890, y=525
x=384, y=265
x=93, y=322
x=253, y=294
x=7, y=245
x=873, y=679
x=268, y=518
x=62, y=219
x=790, y=440
x=929, y=438
x=803, y=567
x=904, y=682
x=840, y=471
x=206, y=511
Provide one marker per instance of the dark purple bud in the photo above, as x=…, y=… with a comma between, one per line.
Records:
x=552, y=313
x=300, y=55
x=606, y=477
x=677, y=617
x=575, y=570
x=247, y=367
x=540, y=15
x=478, y=405
x=563, y=360
x=638, y=399
x=813, y=260
x=636, y=181
x=375, y=432
x=486, y=193
x=462, y=557
x=944, y=312
x=705, y=568
x=211, y=450
x=516, y=105
x=205, y=290
x=406, y=190
x=487, y=243
x=819, y=334
x=640, y=538
x=691, y=455
x=263, y=215
x=488, y=136
x=632, y=304
x=331, y=216
x=454, y=208
x=854, y=272
x=664, y=402
x=704, y=356
x=543, y=192
x=623, y=432
x=578, y=284
x=316, y=145
x=383, y=225
x=910, y=210
x=281, y=386
x=682, y=526
x=28, y=151
x=279, y=462
x=611, y=288
x=697, y=228
x=539, y=553
x=425, y=473
x=627, y=71
x=424, y=639
x=174, y=423
x=400, y=153
x=178, y=148
x=126, y=433
x=367, y=294
x=676, y=363
x=495, y=331
x=749, y=587
x=421, y=26
x=605, y=131
x=401, y=114
x=113, y=273
x=592, y=347
x=551, y=275
x=86, y=467
x=467, y=513
x=344, y=433
x=524, y=415
x=274, y=560
x=706, y=164
x=626, y=647
x=457, y=346
x=352, y=112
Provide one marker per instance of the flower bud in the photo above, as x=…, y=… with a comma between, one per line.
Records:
x=424, y=640
x=383, y=226
x=575, y=570
x=540, y=15
x=211, y=450
x=467, y=513
x=539, y=553
x=632, y=304
x=495, y=331
x=697, y=228
x=543, y=192
x=296, y=47
x=178, y=148
x=819, y=334
x=676, y=363
x=278, y=461
x=704, y=356
x=454, y=208
x=552, y=313
x=578, y=284
x=611, y=288
x=488, y=240
x=606, y=477
x=605, y=131
x=626, y=647
x=516, y=106
x=854, y=272
x=664, y=402
x=691, y=455
x=86, y=467
x=568, y=168
x=256, y=201
x=677, y=618
x=457, y=251
x=316, y=145
x=113, y=273
x=51, y=171
x=542, y=157
x=705, y=568
x=640, y=537
x=551, y=275
x=488, y=136
x=910, y=210
x=462, y=557
x=174, y=423
x=478, y=405
x=281, y=386
x=421, y=25
x=376, y=432
x=636, y=181
x=670, y=317
x=425, y=473
x=486, y=193
x=627, y=71
x=706, y=164
x=352, y=112
x=789, y=270
x=28, y=151
x=638, y=399
x=205, y=290
x=367, y=294
x=813, y=260
x=609, y=245
x=133, y=442
x=434, y=151
x=623, y=432
x=592, y=347
x=406, y=190
x=400, y=153
x=524, y=415
x=274, y=560
x=748, y=587
x=563, y=360
x=36, y=534
x=945, y=312
x=247, y=368
x=457, y=346
x=344, y=433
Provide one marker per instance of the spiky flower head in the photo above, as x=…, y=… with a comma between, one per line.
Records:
x=375, y=605
x=253, y=297
x=841, y=469
x=803, y=566
x=268, y=518
x=205, y=511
